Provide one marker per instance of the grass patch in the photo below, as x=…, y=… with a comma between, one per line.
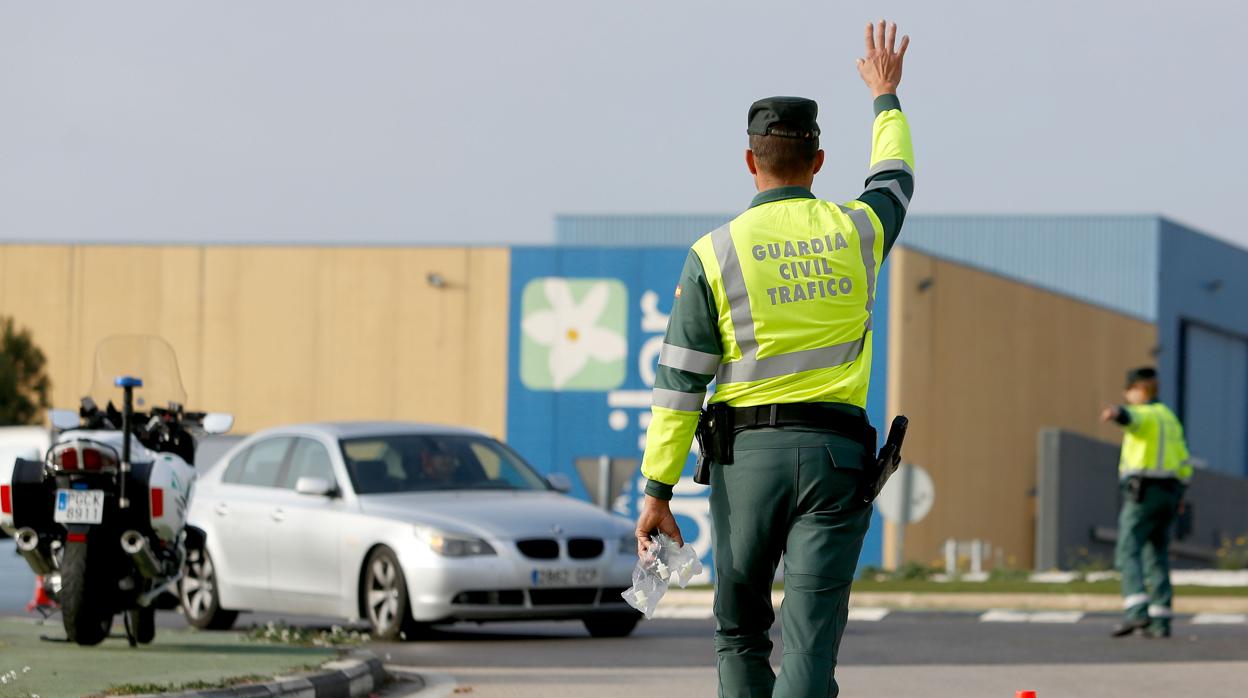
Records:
x=281, y=633
x=126, y=689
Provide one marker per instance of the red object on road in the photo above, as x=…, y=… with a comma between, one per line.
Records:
x=1025, y=694
x=41, y=600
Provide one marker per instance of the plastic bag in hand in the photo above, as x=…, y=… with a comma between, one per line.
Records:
x=665, y=561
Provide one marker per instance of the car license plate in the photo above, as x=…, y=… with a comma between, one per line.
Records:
x=565, y=577
x=79, y=506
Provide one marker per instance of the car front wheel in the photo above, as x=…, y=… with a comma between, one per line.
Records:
x=384, y=598
x=612, y=624
x=198, y=590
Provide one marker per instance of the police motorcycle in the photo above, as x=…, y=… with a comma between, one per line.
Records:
x=102, y=518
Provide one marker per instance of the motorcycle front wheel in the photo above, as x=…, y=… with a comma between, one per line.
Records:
x=140, y=626
x=84, y=581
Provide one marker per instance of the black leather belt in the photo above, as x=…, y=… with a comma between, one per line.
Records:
x=806, y=414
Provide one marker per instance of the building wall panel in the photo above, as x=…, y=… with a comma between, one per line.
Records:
x=980, y=363
x=282, y=334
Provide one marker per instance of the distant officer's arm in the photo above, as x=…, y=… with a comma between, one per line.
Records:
x=1117, y=414
x=690, y=356
x=890, y=181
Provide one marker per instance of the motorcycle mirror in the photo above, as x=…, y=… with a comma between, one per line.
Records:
x=218, y=422
x=63, y=419
x=316, y=486
x=560, y=482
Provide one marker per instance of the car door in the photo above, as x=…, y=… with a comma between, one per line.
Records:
x=241, y=517
x=305, y=535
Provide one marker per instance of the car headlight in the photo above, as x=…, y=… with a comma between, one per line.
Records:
x=451, y=545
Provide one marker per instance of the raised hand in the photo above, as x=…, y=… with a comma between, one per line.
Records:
x=881, y=67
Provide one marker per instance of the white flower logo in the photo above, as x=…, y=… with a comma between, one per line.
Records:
x=574, y=332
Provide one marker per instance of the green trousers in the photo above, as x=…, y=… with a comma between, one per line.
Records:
x=1143, y=552
x=788, y=493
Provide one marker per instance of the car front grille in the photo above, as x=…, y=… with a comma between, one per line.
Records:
x=563, y=597
x=575, y=596
x=539, y=548
x=585, y=548
x=504, y=597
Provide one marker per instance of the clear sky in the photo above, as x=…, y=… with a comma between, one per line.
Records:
x=448, y=122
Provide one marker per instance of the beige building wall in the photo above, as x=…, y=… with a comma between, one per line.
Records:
x=980, y=363
x=281, y=334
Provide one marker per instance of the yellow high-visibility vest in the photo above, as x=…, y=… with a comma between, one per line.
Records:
x=1153, y=444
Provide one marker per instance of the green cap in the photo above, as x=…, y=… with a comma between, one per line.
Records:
x=1142, y=373
x=795, y=117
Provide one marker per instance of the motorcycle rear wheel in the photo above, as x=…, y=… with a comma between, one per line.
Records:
x=84, y=580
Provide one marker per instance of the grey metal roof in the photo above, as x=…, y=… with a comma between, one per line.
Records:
x=1105, y=260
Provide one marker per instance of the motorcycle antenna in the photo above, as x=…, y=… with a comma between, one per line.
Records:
x=127, y=385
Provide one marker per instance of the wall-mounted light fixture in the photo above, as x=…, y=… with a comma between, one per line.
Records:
x=436, y=280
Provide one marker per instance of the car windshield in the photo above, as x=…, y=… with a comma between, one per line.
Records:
x=430, y=462
x=146, y=357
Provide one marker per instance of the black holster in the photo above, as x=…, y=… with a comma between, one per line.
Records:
x=714, y=434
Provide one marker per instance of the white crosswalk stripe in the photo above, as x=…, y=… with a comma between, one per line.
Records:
x=1220, y=618
x=861, y=615
x=1002, y=616
x=684, y=612
x=868, y=615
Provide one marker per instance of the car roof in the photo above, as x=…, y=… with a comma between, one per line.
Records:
x=351, y=430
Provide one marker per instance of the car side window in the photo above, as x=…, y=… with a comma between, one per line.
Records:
x=234, y=471
x=262, y=463
x=309, y=459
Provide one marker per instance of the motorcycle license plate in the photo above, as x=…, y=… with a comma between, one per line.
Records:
x=79, y=506
x=565, y=577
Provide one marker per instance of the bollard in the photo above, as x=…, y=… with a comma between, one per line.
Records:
x=1025, y=694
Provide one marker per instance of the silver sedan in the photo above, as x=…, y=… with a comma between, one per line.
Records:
x=403, y=525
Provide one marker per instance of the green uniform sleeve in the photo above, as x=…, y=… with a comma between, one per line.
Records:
x=890, y=181
x=1136, y=417
x=687, y=364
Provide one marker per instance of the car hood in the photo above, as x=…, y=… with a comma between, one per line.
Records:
x=500, y=515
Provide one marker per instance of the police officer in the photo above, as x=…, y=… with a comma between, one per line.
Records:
x=776, y=306
x=1154, y=471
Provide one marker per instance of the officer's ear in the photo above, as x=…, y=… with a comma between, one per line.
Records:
x=750, y=162
x=818, y=161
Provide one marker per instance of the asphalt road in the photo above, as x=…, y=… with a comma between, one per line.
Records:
x=937, y=655
x=930, y=654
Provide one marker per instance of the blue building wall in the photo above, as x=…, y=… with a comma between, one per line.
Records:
x=1203, y=282
x=605, y=412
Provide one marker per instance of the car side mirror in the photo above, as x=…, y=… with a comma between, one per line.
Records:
x=218, y=422
x=560, y=482
x=314, y=486
x=63, y=419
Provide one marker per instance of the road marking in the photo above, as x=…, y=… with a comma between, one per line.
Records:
x=1003, y=616
x=869, y=615
x=1220, y=618
x=684, y=612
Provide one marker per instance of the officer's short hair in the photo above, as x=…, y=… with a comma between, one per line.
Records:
x=784, y=151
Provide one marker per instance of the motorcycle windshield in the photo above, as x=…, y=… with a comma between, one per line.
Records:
x=148, y=358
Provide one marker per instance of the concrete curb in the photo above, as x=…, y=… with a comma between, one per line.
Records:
x=974, y=601
x=357, y=675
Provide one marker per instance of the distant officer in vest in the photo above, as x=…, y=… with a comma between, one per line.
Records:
x=1154, y=473
x=776, y=307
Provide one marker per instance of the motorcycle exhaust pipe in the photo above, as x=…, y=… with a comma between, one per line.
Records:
x=135, y=545
x=28, y=545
